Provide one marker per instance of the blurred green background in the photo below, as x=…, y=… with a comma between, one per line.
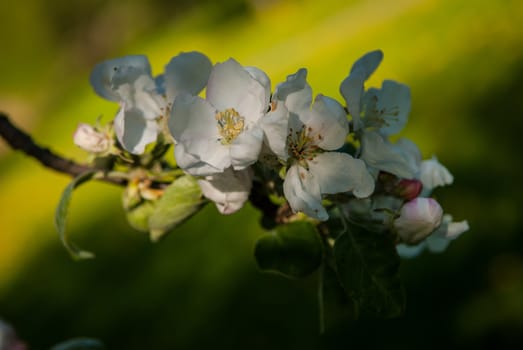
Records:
x=200, y=287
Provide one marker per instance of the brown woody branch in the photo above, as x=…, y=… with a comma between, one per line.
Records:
x=19, y=140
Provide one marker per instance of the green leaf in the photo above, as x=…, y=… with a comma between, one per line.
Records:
x=368, y=268
x=334, y=305
x=61, y=215
x=138, y=216
x=294, y=250
x=181, y=200
x=79, y=344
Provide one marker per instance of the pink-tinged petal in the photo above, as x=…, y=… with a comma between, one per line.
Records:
x=295, y=92
x=328, y=122
x=107, y=76
x=418, y=219
x=303, y=193
x=133, y=131
x=231, y=86
x=245, y=149
x=228, y=190
x=187, y=72
x=339, y=172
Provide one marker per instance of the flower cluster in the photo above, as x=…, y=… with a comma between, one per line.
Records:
x=313, y=155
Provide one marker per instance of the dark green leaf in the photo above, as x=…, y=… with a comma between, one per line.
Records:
x=368, y=269
x=294, y=250
x=61, y=215
x=335, y=306
x=181, y=200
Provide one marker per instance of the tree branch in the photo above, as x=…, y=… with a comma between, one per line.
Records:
x=19, y=140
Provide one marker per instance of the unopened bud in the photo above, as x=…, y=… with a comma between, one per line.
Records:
x=89, y=139
x=408, y=189
x=418, y=219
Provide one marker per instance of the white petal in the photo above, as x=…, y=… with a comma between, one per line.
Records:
x=295, y=92
x=228, y=190
x=191, y=163
x=382, y=155
x=143, y=94
x=133, y=131
x=410, y=251
x=434, y=174
x=367, y=63
x=274, y=125
x=246, y=148
x=328, y=122
x=192, y=118
x=352, y=87
x=263, y=79
x=303, y=193
x=339, y=172
x=411, y=152
x=188, y=72
x=231, y=86
x=107, y=76
x=193, y=124
x=394, y=106
x=455, y=229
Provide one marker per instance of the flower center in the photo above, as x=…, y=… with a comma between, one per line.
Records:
x=230, y=125
x=301, y=145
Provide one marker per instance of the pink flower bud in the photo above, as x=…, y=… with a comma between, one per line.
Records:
x=89, y=139
x=408, y=189
x=418, y=219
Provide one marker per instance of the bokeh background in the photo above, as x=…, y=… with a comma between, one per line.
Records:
x=200, y=288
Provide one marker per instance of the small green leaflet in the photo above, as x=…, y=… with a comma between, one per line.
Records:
x=61, y=215
x=294, y=250
x=180, y=201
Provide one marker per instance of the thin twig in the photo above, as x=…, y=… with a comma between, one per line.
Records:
x=19, y=140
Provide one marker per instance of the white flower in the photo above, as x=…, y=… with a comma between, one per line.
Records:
x=310, y=133
x=418, y=219
x=91, y=140
x=145, y=100
x=222, y=130
x=228, y=190
x=434, y=174
x=353, y=86
x=387, y=109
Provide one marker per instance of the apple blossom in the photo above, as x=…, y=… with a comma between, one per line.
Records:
x=313, y=134
x=222, y=130
x=144, y=100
